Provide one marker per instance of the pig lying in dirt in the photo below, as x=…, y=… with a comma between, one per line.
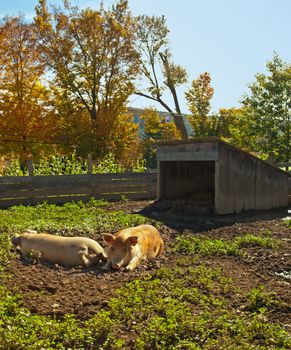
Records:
x=65, y=251
x=129, y=246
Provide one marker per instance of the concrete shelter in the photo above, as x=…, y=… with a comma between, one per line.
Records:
x=211, y=170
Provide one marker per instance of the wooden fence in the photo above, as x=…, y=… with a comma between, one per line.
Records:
x=28, y=190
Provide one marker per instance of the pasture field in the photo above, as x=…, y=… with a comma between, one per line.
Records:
x=222, y=283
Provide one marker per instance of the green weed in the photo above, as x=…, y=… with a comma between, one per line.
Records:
x=259, y=299
x=170, y=309
x=250, y=240
x=5, y=246
x=190, y=244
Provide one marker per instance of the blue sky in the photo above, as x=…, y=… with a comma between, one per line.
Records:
x=231, y=39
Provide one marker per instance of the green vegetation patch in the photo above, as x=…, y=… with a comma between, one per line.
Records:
x=259, y=299
x=5, y=246
x=174, y=308
x=68, y=165
x=190, y=244
x=68, y=219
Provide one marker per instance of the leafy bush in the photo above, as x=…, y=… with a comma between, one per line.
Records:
x=14, y=168
x=68, y=165
x=60, y=165
x=108, y=165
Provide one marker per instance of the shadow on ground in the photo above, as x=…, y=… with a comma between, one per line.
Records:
x=200, y=219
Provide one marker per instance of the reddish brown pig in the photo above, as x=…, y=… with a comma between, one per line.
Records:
x=128, y=247
x=65, y=251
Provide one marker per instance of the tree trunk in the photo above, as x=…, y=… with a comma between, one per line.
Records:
x=180, y=125
x=93, y=113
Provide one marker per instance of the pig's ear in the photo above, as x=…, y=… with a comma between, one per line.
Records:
x=108, y=238
x=132, y=240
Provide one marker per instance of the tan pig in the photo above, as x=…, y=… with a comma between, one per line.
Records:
x=128, y=247
x=65, y=251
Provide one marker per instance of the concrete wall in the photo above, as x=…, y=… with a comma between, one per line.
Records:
x=245, y=182
x=188, y=151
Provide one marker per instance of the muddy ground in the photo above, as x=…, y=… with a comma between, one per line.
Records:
x=54, y=290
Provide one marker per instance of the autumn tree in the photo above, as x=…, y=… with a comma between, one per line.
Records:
x=25, y=117
x=125, y=140
x=155, y=128
x=198, y=99
x=268, y=105
x=92, y=57
x=158, y=68
x=158, y=127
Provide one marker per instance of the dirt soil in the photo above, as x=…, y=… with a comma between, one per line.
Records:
x=54, y=290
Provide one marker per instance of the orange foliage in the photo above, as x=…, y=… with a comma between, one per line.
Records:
x=25, y=118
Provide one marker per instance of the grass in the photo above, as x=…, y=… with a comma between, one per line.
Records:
x=184, y=306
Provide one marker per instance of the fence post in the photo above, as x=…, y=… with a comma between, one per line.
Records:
x=30, y=167
x=90, y=164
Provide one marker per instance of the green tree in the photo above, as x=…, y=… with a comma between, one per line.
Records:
x=158, y=68
x=234, y=125
x=268, y=105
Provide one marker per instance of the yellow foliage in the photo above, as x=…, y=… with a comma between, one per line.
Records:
x=157, y=127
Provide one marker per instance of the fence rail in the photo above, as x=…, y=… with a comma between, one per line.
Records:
x=28, y=190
